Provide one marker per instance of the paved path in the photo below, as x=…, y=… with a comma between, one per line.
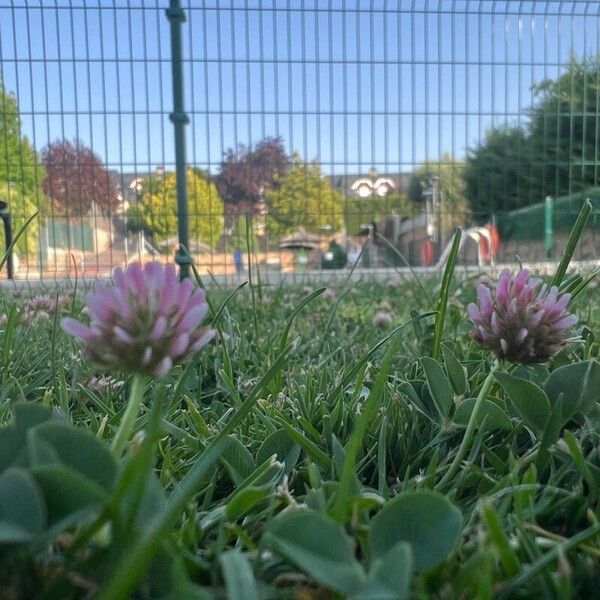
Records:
x=316, y=277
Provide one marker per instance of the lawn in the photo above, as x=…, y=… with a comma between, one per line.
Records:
x=308, y=451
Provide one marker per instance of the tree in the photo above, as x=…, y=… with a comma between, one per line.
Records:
x=76, y=179
x=21, y=175
x=243, y=236
x=359, y=211
x=245, y=174
x=453, y=203
x=302, y=197
x=555, y=153
x=497, y=173
x=157, y=208
x=564, y=131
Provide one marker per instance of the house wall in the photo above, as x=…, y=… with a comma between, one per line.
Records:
x=84, y=238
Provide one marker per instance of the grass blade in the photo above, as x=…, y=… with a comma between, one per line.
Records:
x=426, y=295
x=123, y=580
x=574, y=236
x=349, y=375
x=443, y=297
x=17, y=237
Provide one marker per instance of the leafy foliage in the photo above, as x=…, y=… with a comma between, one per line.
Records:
x=302, y=197
x=50, y=475
x=242, y=234
x=21, y=175
x=76, y=180
x=563, y=131
x=359, y=211
x=157, y=208
x=246, y=173
x=497, y=173
x=454, y=209
x=262, y=519
x=553, y=154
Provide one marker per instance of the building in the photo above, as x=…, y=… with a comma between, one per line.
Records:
x=357, y=185
x=96, y=237
x=129, y=186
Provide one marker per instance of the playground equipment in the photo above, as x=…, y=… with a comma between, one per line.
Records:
x=487, y=240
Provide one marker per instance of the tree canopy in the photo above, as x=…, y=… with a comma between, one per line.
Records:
x=360, y=211
x=246, y=173
x=497, y=173
x=21, y=175
x=564, y=131
x=156, y=211
x=76, y=179
x=556, y=152
x=302, y=197
x=454, y=207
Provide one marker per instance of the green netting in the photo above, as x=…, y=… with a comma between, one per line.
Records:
x=528, y=223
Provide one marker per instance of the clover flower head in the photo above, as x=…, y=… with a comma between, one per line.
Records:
x=39, y=308
x=30, y=317
x=381, y=319
x=46, y=303
x=145, y=322
x=41, y=302
x=102, y=383
x=521, y=320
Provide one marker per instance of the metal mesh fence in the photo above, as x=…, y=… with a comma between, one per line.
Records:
x=317, y=130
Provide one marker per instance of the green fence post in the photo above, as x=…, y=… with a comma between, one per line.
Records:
x=548, y=227
x=179, y=118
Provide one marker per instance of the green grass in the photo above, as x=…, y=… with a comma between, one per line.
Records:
x=348, y=407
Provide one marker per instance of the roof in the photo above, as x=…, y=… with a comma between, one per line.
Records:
x=300, y=239
x=123, y=182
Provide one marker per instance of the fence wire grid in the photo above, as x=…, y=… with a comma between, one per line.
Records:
x=320, y=133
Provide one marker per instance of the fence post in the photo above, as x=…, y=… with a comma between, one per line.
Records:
x=8, y=238
x=179, y=118
x=548, y=227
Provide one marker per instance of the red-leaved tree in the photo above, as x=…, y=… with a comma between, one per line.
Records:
x=246, y=173
x=76, y=179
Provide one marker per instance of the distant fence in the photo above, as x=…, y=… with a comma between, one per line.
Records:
x=317, y=131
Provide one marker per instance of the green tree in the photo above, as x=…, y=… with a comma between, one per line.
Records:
x=453, y=206
x=21, y=175
x=564, y=131
x=497, y=173
x=556, y=153
x=360, y=211
x=302, y=197
x=242, y=234
x=156, y=211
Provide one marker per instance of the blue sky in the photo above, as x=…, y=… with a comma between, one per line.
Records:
x=353, y=84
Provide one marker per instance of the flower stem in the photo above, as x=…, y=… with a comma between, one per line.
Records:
x=133, y=406
x=122, y=580
x=464, y=445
